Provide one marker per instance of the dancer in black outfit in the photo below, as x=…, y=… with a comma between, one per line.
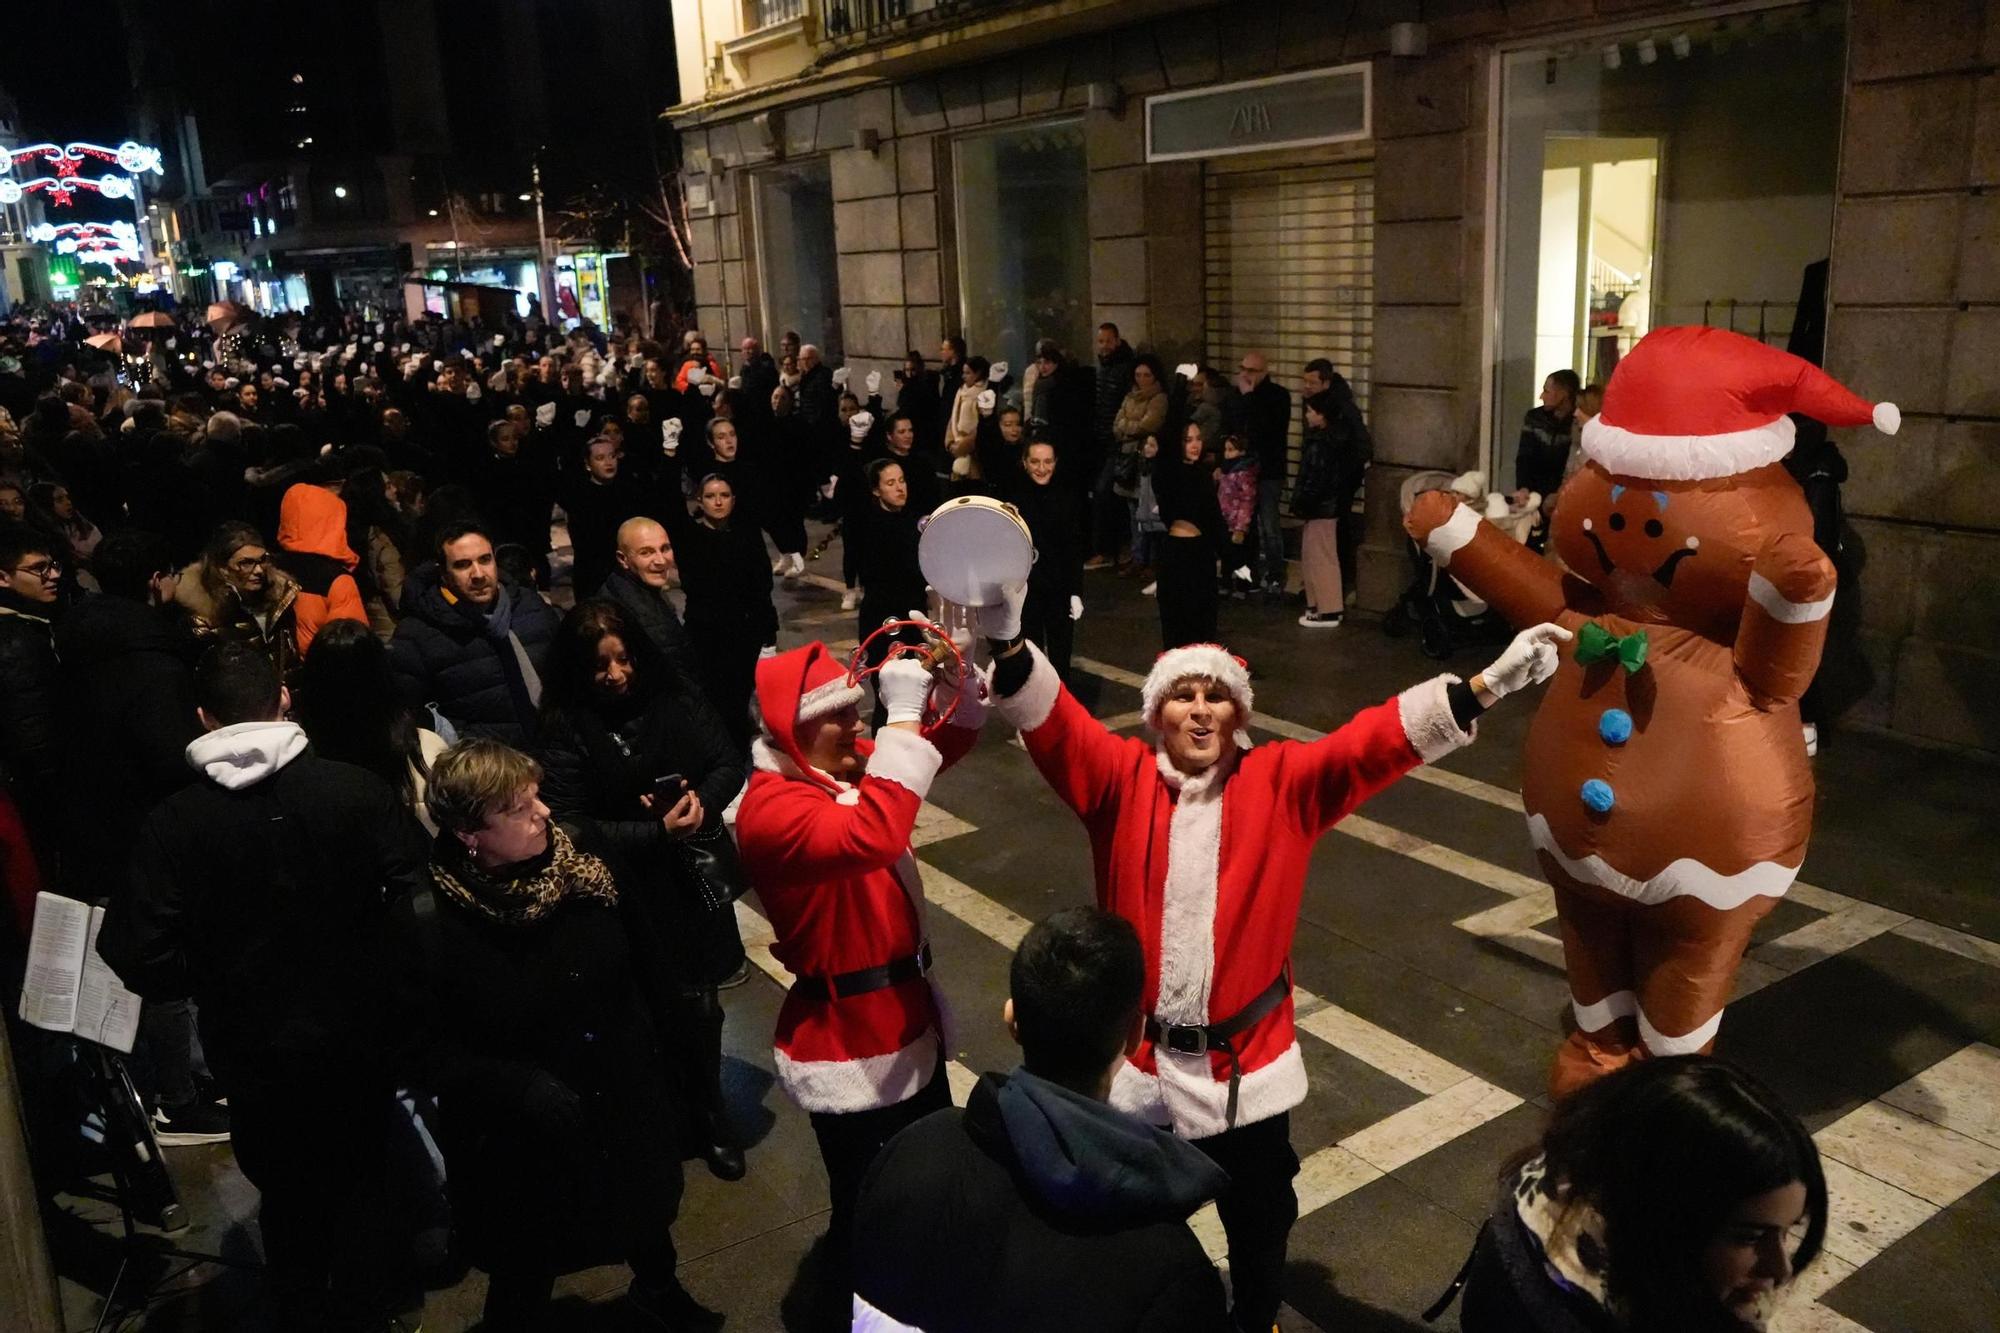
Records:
x=1184, y=483
x=892, y=584
x=730, y=615
x=1054, y=513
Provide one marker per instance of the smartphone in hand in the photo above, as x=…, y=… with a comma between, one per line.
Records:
x=667, y=790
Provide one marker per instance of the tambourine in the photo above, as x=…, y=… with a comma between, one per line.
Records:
x=973, y=546
x=934, y=653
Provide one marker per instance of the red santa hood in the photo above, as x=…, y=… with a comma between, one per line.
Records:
x=797, y=687
x=1690, y=404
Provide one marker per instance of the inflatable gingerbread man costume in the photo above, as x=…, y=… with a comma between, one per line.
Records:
x=1666, y=786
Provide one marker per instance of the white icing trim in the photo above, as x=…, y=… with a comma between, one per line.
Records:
x=863, y=1083
x=1685, y=877
x=906, y=759
x=1425, y=711
x=1450, y=536
x=1627, y=453
x=1028, y=707
x=1659, y=1043
x=1781, y=608
x=1596, y=1017
x=864, y=1317
x=1186, y=1096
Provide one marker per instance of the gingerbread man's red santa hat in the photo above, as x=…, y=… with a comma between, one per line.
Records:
x=1692, y=404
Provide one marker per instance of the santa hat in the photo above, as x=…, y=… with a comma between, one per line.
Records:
x=797, y=687
x=1211, y=661
x=1691, y=404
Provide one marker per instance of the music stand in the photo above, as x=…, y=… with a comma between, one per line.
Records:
x=138, y=1176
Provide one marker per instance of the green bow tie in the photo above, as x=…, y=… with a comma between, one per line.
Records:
x=1595, y=644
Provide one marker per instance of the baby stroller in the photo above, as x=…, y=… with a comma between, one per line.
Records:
x=1445, y=615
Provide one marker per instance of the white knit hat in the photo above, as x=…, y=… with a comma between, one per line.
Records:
x=1208, y=660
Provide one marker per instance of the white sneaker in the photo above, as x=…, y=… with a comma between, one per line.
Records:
x=850, y=599
x=1150, y=590
x=1812, y=739
x=1320, y=620
x=797, y=564
x=778, y=565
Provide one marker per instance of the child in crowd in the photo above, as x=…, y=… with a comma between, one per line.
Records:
x=1236, y=492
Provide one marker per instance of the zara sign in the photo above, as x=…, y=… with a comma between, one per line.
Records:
x=1289, y=111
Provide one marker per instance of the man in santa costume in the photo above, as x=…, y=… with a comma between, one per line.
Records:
x=1201, y=842
x=824, y=836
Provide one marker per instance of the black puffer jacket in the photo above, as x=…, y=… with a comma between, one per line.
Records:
x=654, y=614
x=1036, y=1208
x=1114, y=381
x=443, y=654
x=266, y=903
x=128, y=690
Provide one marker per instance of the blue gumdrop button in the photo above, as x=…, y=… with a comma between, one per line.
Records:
x=1615, y=727
x=1598, y=796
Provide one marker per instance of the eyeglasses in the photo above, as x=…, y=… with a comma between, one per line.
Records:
x=245, y=564
x=46, y=571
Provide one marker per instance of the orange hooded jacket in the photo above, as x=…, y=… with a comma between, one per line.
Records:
x=312, y=548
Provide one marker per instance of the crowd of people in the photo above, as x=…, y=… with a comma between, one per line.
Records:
x=403, y=820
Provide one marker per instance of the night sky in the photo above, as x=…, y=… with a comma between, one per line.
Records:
x=65, y=64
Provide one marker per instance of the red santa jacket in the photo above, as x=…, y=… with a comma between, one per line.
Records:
x=1210, y=870
x=835, y=875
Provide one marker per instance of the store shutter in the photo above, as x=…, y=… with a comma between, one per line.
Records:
x=1291, y=271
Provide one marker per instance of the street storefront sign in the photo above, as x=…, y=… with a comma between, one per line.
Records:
x=1289, y=111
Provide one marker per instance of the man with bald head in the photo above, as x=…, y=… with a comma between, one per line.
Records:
x=759, y=374
x=1260, y=410
x=638, y=584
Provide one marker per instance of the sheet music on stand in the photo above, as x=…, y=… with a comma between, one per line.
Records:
x=68, y=988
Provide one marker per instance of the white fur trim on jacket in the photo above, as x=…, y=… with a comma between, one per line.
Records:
x=1030, y=706
x=1209, y=660
x=1186, y=1097
x=861, y=1084
x=1686, y=877
x=1425, y=709
x=1625, y=453
x=1449, y=536
x=1187, y=908
x=906, y=759
x=1782, y=609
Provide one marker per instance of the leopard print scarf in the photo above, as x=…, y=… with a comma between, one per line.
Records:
x=528, y=890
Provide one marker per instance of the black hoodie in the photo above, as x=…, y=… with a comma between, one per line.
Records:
x=1035, y=1208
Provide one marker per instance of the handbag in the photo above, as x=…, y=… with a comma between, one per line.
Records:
x=709, y=858
x=1125, y=472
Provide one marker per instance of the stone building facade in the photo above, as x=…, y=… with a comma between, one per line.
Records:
x=1912, y=146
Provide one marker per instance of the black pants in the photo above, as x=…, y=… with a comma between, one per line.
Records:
x=1257, y=1211
x=1187, y=591
x=1045, y=620
x=316, y=1151
x=848, y=1142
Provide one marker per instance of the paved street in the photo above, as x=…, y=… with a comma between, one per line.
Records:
x=1431, y=1000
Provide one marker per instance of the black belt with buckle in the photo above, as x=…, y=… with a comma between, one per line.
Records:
x=1199, y=1039
x=867, y=979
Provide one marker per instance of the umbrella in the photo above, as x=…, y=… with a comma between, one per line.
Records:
x=225, y=313
x=152, y=319
x=105, y=342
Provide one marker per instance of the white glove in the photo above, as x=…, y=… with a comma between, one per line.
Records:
x=697, y=375
x=1076, y=608
x=545, y=415
x=378, y=344
x=987, y=400
x=997, y=373
x=903, y=686
x=1002, y=623
x=874, y=382
x=707, y=388
x=841, y=376
x=1186, y=370
x=581, y=417
x=735, y=381
x=768, y=650
x=972, y=694
x=499, y=340
x=1529, y=660
x=670, y=436
x=472, y=393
